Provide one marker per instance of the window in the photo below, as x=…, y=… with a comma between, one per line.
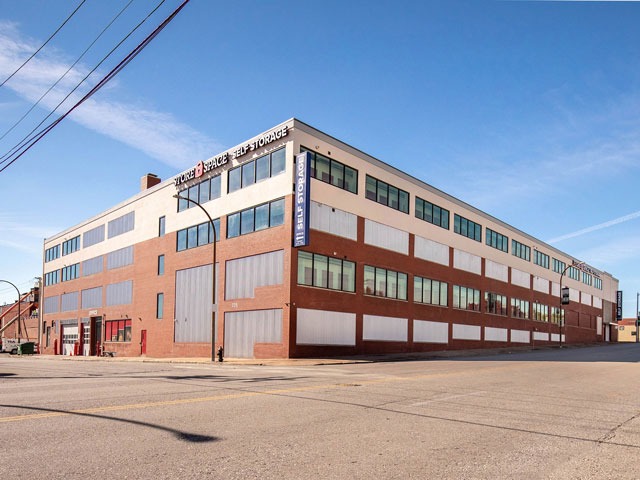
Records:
x=541, y=259
x=159, y=305
x=161, y=226
x=70, y=246
x=429, y=291
x=160, y=264
x=195, y=236
x=432, y=213
x=466, y=298
x=540, y=312
x=386, y=194
x=52, y=278
x=587, y=278
x=519, y=308
x=558, y=266
x=261, y=168
x=573, y=273
x=70, y=272
x=326, y=272
x=557, y=315
x=467, y=228
x=597, y=282
x=257, y=218
x=385, y=283
x=122, y=224
x=201, y=192
x=333, y=172
x=497, y=240
x=495, y=303
x=52, y=253
x=520, y=250
x=118, y=330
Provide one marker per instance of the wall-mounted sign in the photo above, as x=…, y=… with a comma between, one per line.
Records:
x=619, y=305
x=565, y=296
x=585, y=268
x=217, y=162
x=302, y=194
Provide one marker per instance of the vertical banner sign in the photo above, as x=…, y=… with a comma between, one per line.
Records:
x=619, y=305
x=301, y=212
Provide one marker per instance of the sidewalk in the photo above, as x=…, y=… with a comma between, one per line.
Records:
x=393, y=357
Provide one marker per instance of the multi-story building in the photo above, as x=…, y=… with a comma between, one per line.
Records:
x=322, y=250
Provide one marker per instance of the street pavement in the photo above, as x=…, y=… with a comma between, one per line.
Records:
x=572, y=413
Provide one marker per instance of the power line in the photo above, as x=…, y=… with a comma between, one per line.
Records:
x=44, y=44
x=29, y=137
x=100, y=84
x=65, y=73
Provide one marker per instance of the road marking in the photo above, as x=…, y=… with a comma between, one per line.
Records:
x=450, y=397
x=231, y=396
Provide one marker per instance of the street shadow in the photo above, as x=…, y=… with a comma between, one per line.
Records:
x=180, y=435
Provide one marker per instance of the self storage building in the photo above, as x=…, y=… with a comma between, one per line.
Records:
x=321, y=250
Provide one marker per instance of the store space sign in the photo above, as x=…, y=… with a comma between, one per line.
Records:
x=218, y=162
x=619, y=305
x=302, y=200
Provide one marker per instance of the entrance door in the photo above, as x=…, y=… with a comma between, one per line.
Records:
x=143, y=342
x=86, y=339
x=69, y=338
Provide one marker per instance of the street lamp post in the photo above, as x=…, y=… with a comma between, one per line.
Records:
x=561, y=320
x=213, y=275
x=19, y=305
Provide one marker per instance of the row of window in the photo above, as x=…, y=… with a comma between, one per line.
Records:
x=71, y=245
x=118, y=330
x=316, y=270
x=497, y=240
x=201, y=192
x=197, y=235
x=70, y=272
x=52, y=253
x=387, y=194
x=333, y=172
x=261, y=168
x=432, y=213
x=253, y=219
x=467, y=228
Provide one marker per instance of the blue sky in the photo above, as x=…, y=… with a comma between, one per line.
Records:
x=529, y=111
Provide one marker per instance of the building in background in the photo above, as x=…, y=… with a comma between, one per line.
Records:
x=328, y=253
x=627, y=330
x=16, y=329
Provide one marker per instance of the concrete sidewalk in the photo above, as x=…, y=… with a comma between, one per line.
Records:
x=396, y=357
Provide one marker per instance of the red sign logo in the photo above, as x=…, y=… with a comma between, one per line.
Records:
x=199, y=169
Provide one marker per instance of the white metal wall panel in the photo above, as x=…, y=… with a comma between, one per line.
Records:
x=492, y=334
x=520, y=336
x=425, y=331
x=386, y=237
x=541, y=284
x=92, y=266
x=496, y=270
x=119, y=293
x=606, y=309
x=465, y=332
x=193, y=307
x=432, y=251
x=321, y=327
x=120, y=258
x=574, y=295
x=91, y=298
x=121, y=225
x=541, y=336
x=467, y=261
x=334, y=221
x=555, y=337
x=597, y=302
x=93, y=236
x=69, y=302
x=598, y=325
x=520, y=278
x=585, y=298
x=242, y=330
x=388, y=329
x=555, y=289
x=51, y=304
x=244, y=275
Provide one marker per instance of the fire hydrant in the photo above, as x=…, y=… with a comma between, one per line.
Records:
x=220, y=354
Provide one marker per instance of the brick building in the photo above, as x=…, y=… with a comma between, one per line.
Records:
x=322, y=250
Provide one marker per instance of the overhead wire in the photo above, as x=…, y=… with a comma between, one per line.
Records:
x=68, y=70
x=44, y=44
x=31, y=135
x=100, y=84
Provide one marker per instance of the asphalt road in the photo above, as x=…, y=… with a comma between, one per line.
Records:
x=549, y=414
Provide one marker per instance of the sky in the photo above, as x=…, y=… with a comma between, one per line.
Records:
x=527, y=110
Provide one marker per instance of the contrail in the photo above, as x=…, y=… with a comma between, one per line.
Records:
x=600, y=226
